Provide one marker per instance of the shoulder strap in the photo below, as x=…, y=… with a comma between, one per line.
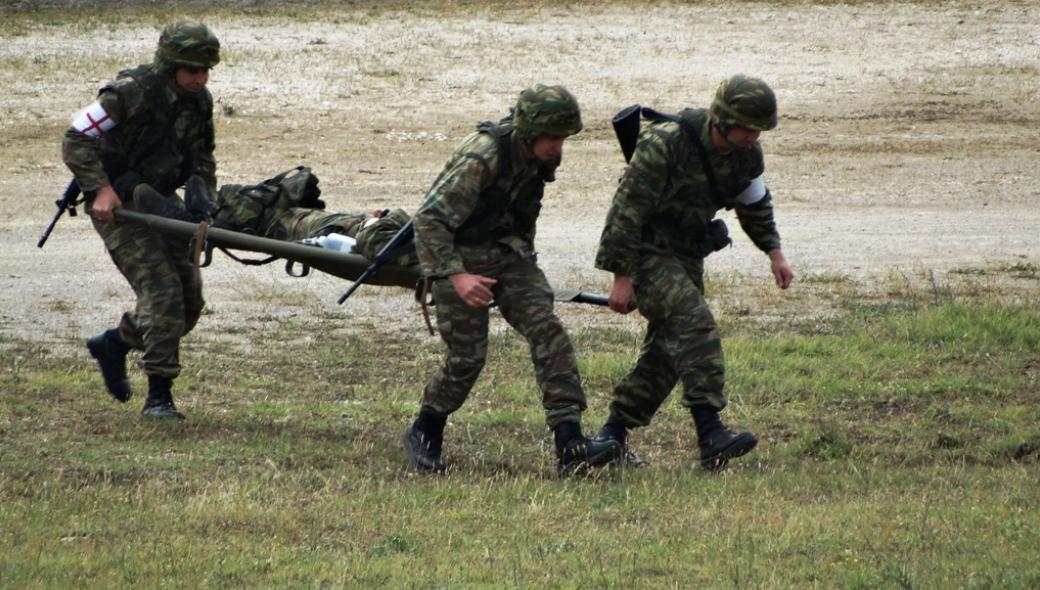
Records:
x=694, y=136
x=146, y=76
x=494, y=206
x=155, y=134
x=503, y=132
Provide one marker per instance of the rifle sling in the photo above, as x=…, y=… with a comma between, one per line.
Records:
x=476, y=229
x=694, y=136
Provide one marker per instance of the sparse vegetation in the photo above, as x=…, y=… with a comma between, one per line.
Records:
x=900, y=450
x=895, y=386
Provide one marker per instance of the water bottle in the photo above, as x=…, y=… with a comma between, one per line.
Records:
x=337, y=242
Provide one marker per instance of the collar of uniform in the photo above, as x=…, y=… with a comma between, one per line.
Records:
x=523, y=156
x=703, y=128
x=709, y=143
x=174, y=93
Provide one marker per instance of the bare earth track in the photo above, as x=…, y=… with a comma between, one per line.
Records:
x=906, y=146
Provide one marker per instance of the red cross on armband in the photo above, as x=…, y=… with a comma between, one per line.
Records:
x=93, y=121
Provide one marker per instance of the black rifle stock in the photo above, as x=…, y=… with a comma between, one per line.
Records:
x=626, y=127
x=402, y=242
x=67, y=202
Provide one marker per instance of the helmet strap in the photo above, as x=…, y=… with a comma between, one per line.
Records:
x=723, y=132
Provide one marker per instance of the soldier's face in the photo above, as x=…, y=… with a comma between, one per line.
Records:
x=742, y=137
x=548, y=147
x=192, y=79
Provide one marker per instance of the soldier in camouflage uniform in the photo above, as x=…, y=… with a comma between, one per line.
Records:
x=474, y=236
x=372, y=231
x=652, y=242
x=148, y=131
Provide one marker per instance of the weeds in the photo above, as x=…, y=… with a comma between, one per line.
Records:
x=899, y=451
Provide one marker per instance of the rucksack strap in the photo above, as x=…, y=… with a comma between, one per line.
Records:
x=246, y=261
x=475, y=229
x=694, y=136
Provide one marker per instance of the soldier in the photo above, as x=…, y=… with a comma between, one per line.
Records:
x=654, y=243
x=475, y=240
x=148, y=131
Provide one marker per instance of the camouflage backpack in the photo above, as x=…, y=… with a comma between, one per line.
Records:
x=253, y=208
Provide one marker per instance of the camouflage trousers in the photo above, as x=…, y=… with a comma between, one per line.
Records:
x=525, y=300
x=299, y=223
x=168, y=289
x=682, y=342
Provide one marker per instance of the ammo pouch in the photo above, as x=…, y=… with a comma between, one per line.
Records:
x=668, y=236
x=716, y=237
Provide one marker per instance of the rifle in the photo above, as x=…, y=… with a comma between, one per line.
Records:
x=626, y=127
x=402, y=243
x=67, y=202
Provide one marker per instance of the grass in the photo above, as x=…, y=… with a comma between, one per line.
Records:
x=900, y=450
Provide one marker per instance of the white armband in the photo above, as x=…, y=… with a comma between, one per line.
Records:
x=754, y=192
x=92, y=121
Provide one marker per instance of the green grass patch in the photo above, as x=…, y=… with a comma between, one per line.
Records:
x=899, y=450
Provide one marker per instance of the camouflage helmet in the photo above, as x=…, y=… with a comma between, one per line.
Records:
x=187, y=44
x=547, y=110
x=744, y=102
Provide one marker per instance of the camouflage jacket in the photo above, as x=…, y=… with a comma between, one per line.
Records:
x=161, y=135
x=479, y=201
x=665, y=201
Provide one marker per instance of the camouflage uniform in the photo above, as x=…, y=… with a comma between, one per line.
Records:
x=299, y=223
x=162, y=134
x=506, y=253
x=372, y=231
x=479, y=218
x=658, y=219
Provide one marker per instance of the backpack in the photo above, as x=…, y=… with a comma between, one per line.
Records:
x=253, y=208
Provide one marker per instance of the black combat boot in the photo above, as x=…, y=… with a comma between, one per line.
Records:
x=110, y=351
x=717, y=443
x=614, y=429
x=150, y=201
x=575, y=452
x=196, y=199
x=154, y=203
x=160, y=400
x=423, y=441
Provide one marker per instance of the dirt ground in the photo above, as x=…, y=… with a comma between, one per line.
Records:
x=906, y=144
